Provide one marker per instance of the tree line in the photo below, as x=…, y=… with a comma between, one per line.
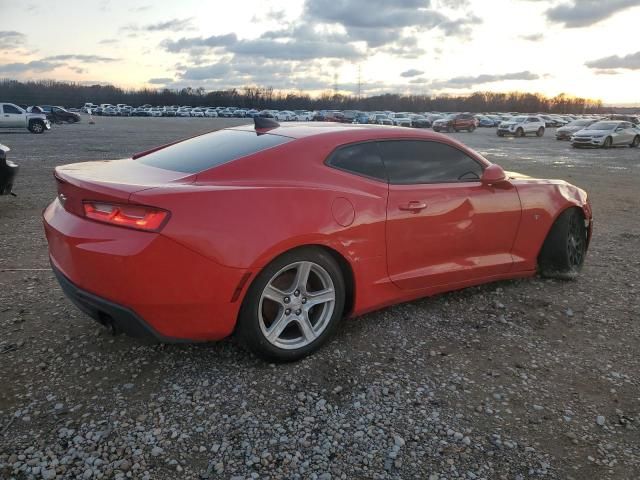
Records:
x=68, y=94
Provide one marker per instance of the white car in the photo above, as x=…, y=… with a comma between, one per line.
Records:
x=285, y=115
x=155, y=112
x=303, y=115
x=211, y=113
x=197, y=112
x=401, y=119
x=183, y=112
x=380, y=119
x=522, y=125
x=607, y=134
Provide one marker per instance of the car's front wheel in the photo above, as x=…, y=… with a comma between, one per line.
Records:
x=293, y=306
x=636, y=141
x=565, y=247
x=607, y=143
x=540, y=132
x=519, y=133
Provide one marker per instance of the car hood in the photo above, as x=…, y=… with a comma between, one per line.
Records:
x=508, y=124
x=41, y=116
x=593, y=133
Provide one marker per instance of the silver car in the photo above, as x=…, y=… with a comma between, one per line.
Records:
x=565, y=133
x=607, y=134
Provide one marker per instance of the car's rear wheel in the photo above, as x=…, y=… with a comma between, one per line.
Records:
x=472, y=128
x=608, y=142
x=540, y=132
x=565, y=247
x=519, y=133
x=636, y=142
x=293, y=306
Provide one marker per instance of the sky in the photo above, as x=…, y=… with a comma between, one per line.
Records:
x=587, y=48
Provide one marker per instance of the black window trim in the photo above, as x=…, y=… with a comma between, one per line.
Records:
x=327, y=161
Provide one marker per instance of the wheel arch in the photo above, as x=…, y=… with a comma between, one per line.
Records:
x=586, y=214
x=342, y=261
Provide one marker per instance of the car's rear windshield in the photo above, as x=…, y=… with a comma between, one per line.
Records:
x=210, y=150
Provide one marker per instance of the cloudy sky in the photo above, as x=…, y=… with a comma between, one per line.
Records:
x=579, y=47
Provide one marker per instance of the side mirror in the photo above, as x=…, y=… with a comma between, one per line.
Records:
x=493, y=175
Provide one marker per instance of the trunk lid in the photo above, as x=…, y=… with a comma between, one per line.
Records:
x=111, y=180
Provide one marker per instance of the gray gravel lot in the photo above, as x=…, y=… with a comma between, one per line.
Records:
x=514, y=380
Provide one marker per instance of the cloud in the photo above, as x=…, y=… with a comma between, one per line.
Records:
x=33, y=66
x=384, y=20
x=411, y=73
x=10, y=39
x=611, y=64
x=583, y=13
x=468, y=82
x=172, y=25
x=534, y=37
x=160, y=81
x=81, y=58
x=186, y=44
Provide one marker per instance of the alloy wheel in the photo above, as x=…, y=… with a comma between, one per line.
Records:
x=296, y=306
x=577, y=242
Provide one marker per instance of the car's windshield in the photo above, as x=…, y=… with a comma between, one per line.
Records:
x=602, y=126
x=579, y=123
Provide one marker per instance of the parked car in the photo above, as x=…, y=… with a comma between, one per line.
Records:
x=303, y=115
x=484, y=121
x=565, y=133
x=211, y=113
x=57, y=114
x=361, y=118
x=138, y=243
x=522, y=125
x=419, y=121
x=606, y=134
x=8, y=172
x=455, y=122
x=13, y=116
x=625, y=118
x=400, y=119
x=197, y=112
x=380, y=119
x=285, y=116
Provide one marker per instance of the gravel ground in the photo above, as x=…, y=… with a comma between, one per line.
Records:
x=513, y=380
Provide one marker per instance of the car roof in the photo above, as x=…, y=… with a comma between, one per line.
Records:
x=356, y=131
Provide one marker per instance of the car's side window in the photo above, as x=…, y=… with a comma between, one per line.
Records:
x=414, y=162
x=361, y=159
x=11, y=109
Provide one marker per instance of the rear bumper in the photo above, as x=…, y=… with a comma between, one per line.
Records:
x=119, y=318
x=150, y=285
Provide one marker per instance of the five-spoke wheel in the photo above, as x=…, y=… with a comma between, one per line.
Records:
x=293, y=305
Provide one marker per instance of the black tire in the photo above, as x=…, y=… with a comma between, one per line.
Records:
x=607, y=142
x=565, y=247
x=472, y=128
x=636, y=142
x=500, y=134
x=540, y=132
x=248, y=329
x=36, y=126
x=519, y=132
x=435, y=129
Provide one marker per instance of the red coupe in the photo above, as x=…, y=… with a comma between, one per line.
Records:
x=275, y=233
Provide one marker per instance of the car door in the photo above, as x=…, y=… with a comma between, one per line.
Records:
x=443, y=225
x=625, y=134
x=13, y=116
x=531, y=125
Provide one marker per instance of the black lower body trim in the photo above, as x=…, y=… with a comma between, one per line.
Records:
x=117, y=318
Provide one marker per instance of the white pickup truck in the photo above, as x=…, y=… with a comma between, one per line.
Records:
x=12, y=116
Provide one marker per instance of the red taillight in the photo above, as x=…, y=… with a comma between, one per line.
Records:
x=132, y=216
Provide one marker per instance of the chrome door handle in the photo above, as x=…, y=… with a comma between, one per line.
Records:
x=413, y=206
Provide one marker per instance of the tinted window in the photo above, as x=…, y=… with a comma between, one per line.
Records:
x=11, y=109
x=361, y=159
x=210, y=150
x=412, y=162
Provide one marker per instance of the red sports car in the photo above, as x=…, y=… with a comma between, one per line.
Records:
x=275, y=233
